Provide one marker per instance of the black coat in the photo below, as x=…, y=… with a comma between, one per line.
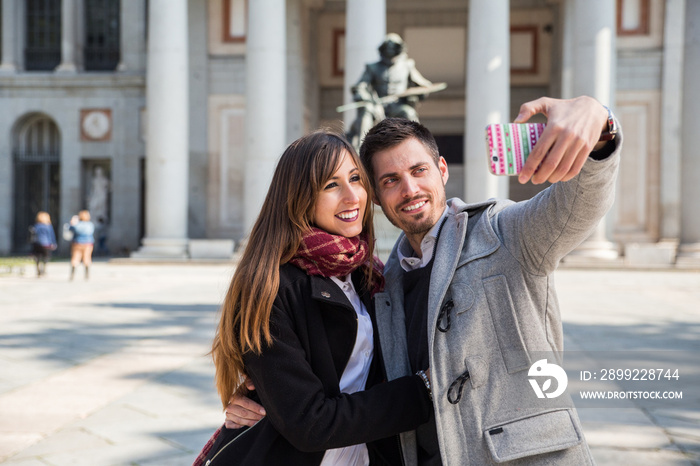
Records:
x=297, y=380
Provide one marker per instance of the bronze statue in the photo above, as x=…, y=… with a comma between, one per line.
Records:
x=390, y=87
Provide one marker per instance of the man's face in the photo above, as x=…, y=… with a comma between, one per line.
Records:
x=410, y=187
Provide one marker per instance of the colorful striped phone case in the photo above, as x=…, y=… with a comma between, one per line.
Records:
x=508, y=146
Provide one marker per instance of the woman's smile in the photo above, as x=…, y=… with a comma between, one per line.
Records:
x=349, y=215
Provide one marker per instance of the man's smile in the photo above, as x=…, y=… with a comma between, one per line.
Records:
x=414, y=205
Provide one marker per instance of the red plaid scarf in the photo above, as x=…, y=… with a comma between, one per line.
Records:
x=322, y=253
x=199, y=461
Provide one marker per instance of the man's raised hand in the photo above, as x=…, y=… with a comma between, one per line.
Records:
x=572, y=132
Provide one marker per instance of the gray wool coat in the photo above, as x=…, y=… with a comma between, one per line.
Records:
x=492, y=277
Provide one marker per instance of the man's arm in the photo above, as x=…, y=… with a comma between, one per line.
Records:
x=540, y=231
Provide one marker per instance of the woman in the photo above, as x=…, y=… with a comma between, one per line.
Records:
x=44, y=241
x=83, y=242
x=297, y=319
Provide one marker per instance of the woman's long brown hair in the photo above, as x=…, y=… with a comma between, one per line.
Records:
x=300, y=175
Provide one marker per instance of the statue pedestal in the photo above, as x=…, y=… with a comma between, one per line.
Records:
x=162, y=249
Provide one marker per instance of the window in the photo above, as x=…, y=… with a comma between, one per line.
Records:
x=235, y=24
x=632, y=17
x=37, y=174
x=43, y=40
x=102, y=37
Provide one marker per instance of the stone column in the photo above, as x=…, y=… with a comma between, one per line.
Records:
x=672, y=103
x=488, y=93
x=594, y=75
x=167, y=141
x=296, y=62
x=690, y=166
x=365, y=28
x=9, y=37
x=68, y=29
x=133, y=36
x=567, y=49
x=266, y=84
x=594, y=49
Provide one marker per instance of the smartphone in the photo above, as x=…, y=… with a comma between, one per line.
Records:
x=508, y=146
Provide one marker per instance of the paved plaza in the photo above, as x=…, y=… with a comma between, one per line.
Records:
x=115, y=371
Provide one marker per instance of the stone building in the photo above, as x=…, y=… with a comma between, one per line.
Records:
x=185, y=106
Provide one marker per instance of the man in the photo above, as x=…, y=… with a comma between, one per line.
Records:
x=469, y=287
x=393, y=74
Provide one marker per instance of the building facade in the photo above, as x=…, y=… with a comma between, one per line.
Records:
x=185, y=105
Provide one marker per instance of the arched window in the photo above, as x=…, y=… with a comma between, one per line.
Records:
x=43, y=41
x=37, y=139
x=102, y=37
x=36, y=150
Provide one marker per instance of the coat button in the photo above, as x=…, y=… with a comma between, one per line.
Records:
x=325, y=294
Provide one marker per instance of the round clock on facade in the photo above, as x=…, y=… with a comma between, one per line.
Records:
x=96, y=124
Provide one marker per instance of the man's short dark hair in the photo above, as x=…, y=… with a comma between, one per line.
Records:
x=391, y=132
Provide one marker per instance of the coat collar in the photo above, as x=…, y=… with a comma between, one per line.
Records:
x=450, y=253
x=325, y=290
x=482, y=239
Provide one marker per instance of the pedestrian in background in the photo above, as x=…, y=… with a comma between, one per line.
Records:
x=43, y=241
x=83, y=242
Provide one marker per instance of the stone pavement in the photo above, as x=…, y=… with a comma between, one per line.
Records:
x=114, y=370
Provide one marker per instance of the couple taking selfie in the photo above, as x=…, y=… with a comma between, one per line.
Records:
x=325, y=357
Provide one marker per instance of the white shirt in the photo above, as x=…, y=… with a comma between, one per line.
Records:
x=355, y=374
x=406, y=254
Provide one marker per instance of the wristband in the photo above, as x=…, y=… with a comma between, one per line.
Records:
x=426, y=381
x=610, y=133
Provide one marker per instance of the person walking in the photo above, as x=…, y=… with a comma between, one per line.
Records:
x=83, y=242
x=44, y=241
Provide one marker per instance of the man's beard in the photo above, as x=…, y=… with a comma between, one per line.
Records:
x=420, y=223
x=419, y=226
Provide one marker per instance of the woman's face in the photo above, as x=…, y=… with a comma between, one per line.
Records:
x=340, y=206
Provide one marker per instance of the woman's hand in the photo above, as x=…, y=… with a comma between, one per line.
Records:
x=242, y=411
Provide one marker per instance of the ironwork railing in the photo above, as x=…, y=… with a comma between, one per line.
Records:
x=42, y=58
